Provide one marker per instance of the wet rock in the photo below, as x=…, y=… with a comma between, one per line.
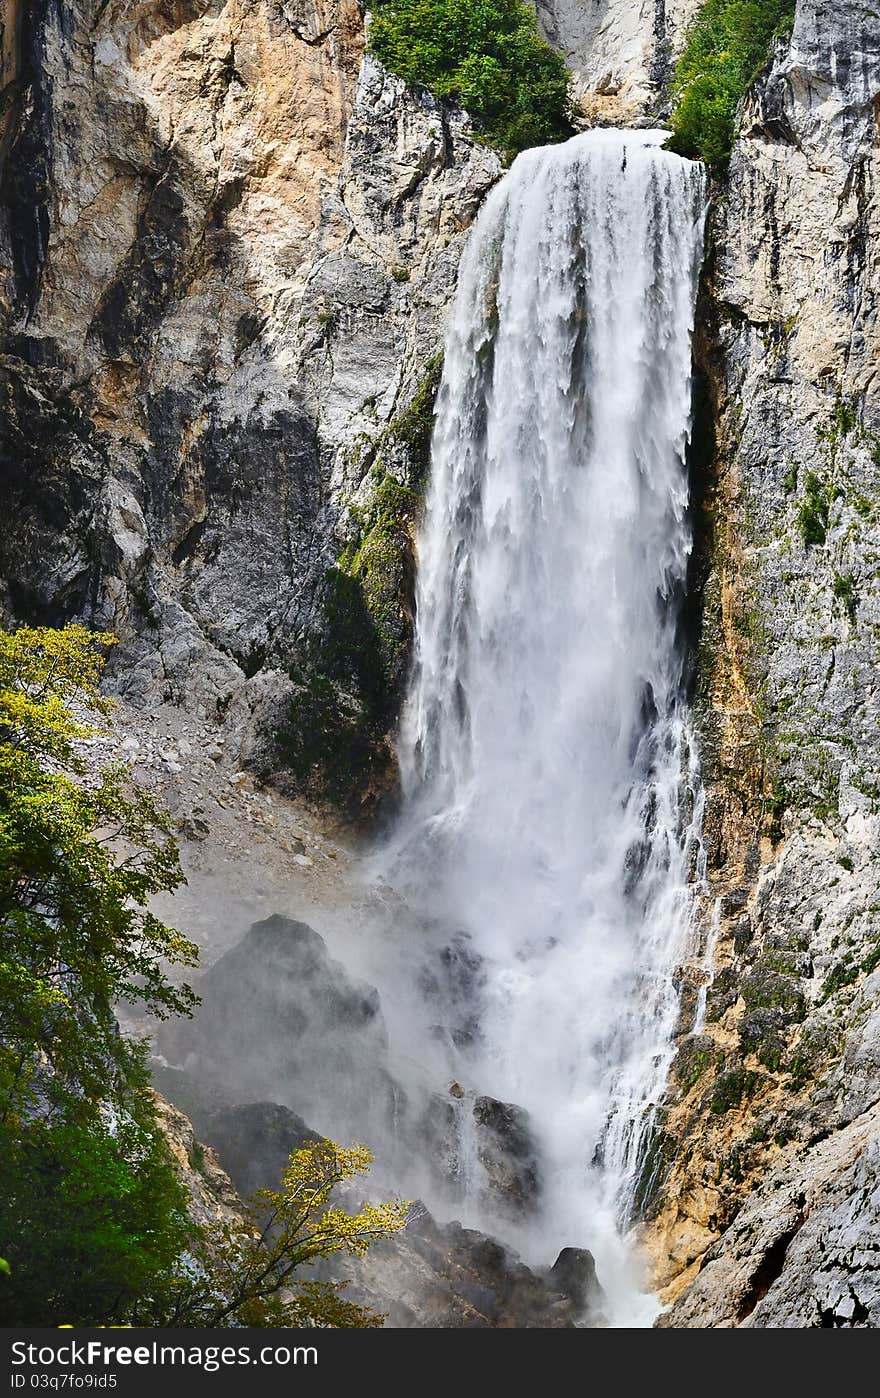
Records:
x=574, y=1273
x=446, y=1276
x=478, y=1144
x=507, y=1151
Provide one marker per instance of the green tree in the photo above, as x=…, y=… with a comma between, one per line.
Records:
x=485, y=55
x=91, y=1210
x=93, y=1216
x=79, y=859
x=727, y=42
x=95, y=1224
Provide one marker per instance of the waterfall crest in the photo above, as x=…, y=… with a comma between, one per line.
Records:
x=545, y=752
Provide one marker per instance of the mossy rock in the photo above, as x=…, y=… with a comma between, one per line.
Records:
x=816, y=1051
x=722, y=993
x=655, y=1164
x=765, y=988
x=695, y=1055
x=763, y=1033
x=333, y=749
x=731, y=1087
x=335, y=741
x=413, y=428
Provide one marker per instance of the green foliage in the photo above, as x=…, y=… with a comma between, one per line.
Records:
x=814, y=510
x=90, y=1209
x=691, y=1062
x=485, y=55
x=79, y=861
x=94, y=1220
x=726, y=44
x=765, y=988
x=329, y=741
x=845, y=592
x=844, y=420
x=730, y=1088
x=872, y=960
x=92, y=1214
x=414, y=427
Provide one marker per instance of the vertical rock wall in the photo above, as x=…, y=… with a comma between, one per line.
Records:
x=621, y=52
x=227, y=241
x=788, y=709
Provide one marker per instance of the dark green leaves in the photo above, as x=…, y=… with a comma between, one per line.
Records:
x=485, y=55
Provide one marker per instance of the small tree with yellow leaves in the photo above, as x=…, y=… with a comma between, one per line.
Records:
x=249, y=1271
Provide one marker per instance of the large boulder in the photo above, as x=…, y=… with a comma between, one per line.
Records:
x=254, y=1140
x=448, y=1277
x=280, y=1021
x=483, y=1149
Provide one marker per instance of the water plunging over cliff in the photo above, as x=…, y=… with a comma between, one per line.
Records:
x=545, y=752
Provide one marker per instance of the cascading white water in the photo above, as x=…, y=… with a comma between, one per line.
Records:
x=545, y=749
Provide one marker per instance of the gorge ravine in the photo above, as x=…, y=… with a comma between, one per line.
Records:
x=230, y=241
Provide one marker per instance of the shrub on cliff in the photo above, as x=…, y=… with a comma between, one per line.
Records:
x=727, y=42
x=485, y=55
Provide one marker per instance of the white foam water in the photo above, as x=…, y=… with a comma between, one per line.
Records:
x=547, y=763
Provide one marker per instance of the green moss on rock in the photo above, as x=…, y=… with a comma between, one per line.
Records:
x=693, y=1059
x=766, y=988
x=731, y=1087
x=414, y=427
x=335, y=739
x=814, y=510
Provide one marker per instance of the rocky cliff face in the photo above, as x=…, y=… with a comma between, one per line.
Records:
x=227, y=242
x=789, y=1053
x=621, y=53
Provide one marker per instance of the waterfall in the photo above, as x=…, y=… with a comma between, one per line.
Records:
x=547, y=764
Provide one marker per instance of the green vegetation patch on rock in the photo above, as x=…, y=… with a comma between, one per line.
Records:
x=485, y=55
x=727, y=43
x=730, y=1088
x=767, y=989
x=335, y=739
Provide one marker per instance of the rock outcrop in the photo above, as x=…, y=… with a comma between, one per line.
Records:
x=254, y=1140
x=280, y=1021
x=449, y=1277
x=787, y=706
x=477, y=1144
x=283, y=1032
x=803, y=1251
x=212, y=1199
x=227, y=243
x=621, y=53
